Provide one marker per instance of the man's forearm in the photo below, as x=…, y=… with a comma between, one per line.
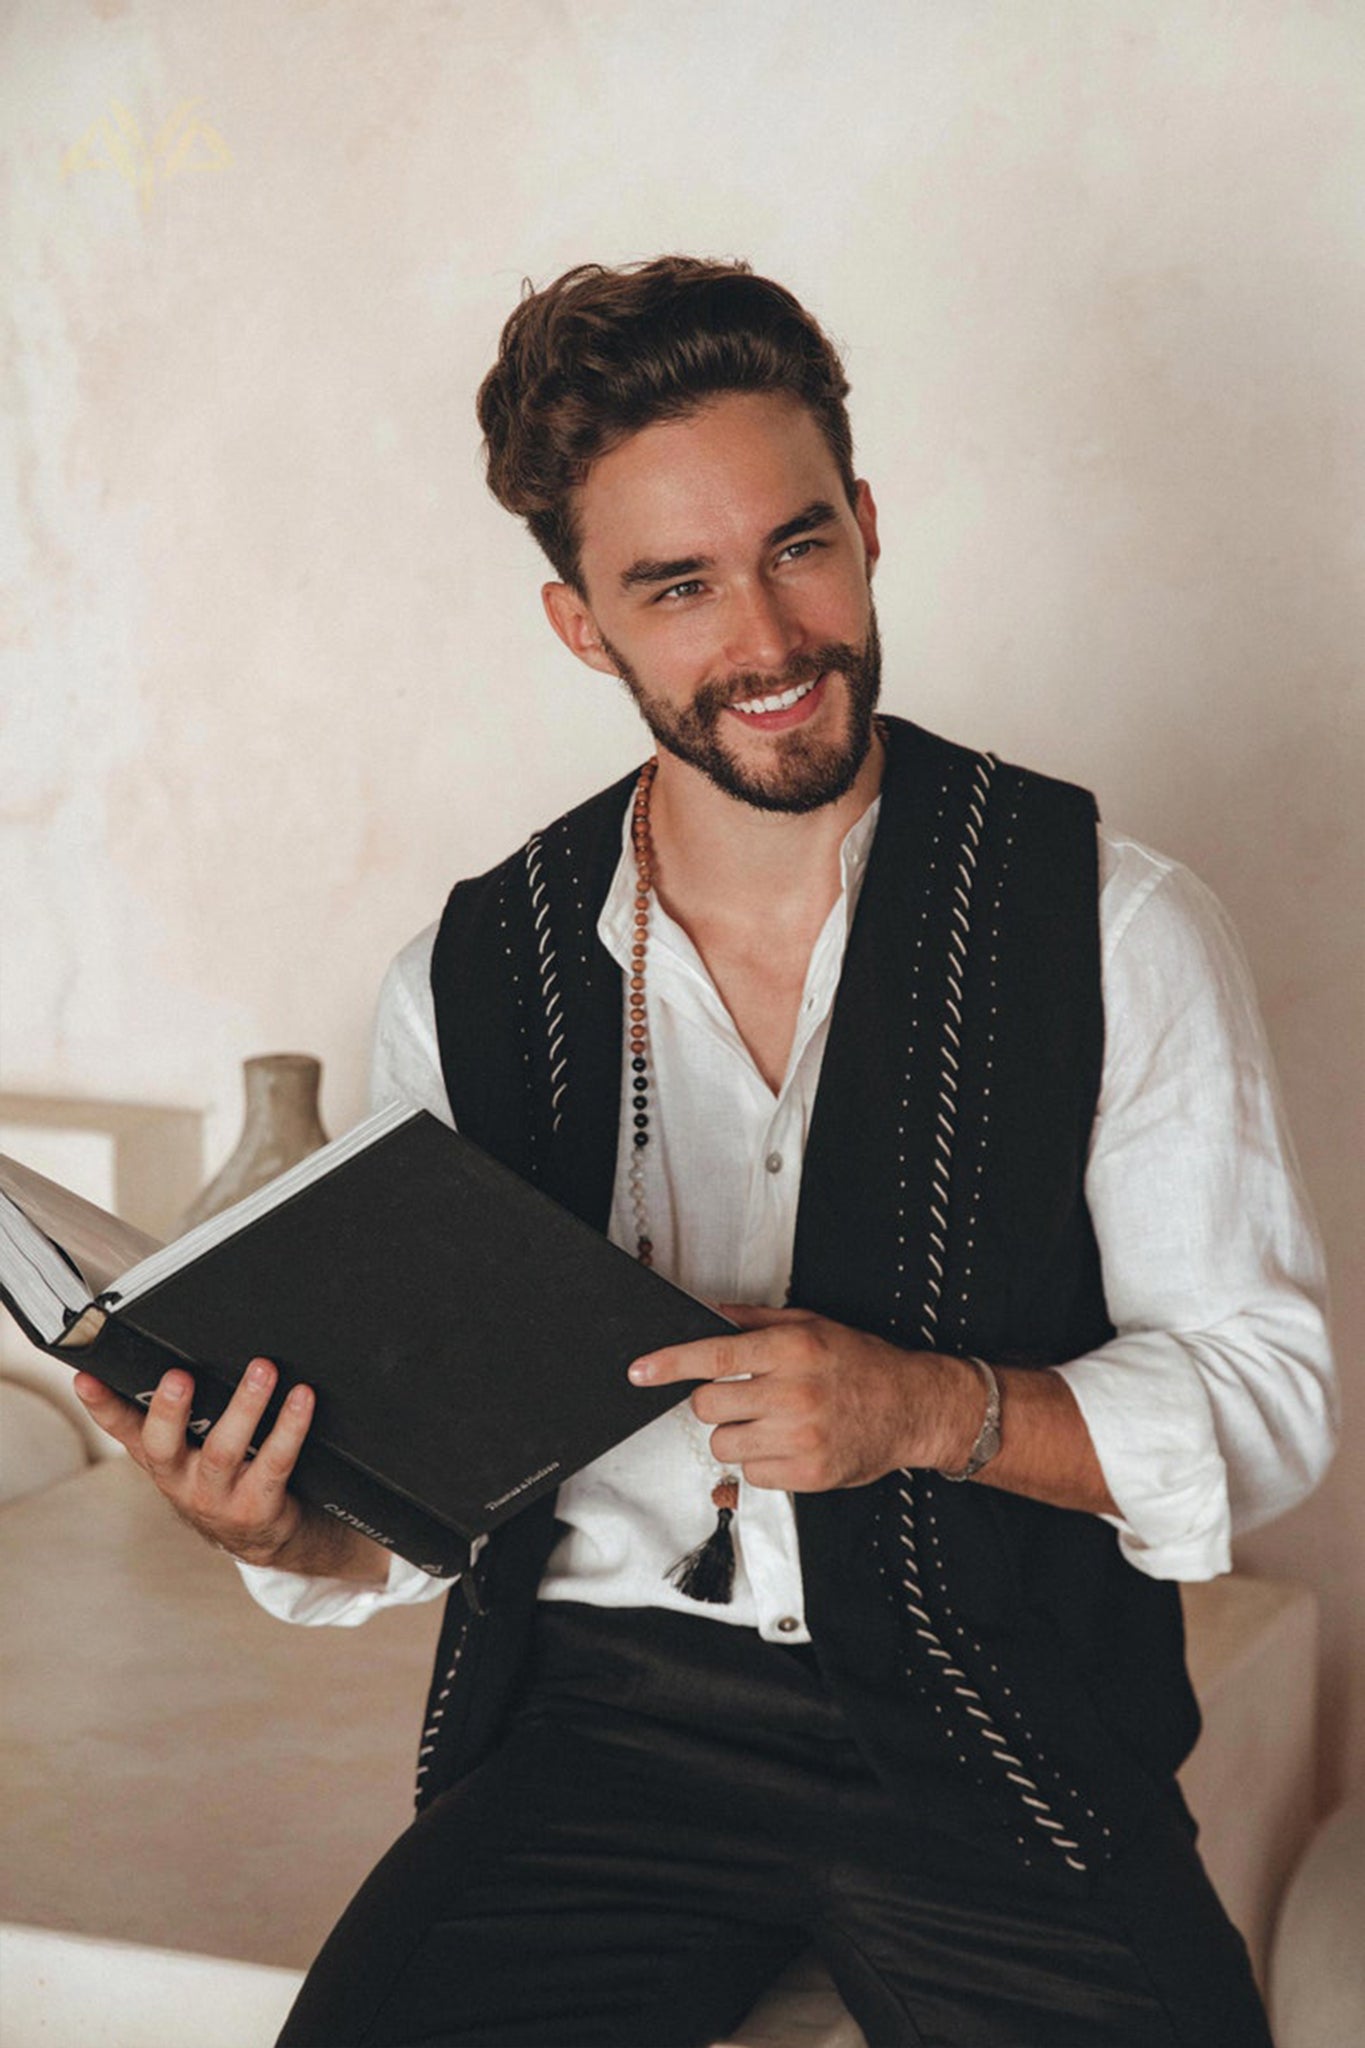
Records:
x=324, y=1548
x=799, y=1402
x=1045, y=1448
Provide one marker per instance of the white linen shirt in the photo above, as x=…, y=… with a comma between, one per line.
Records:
x=1212, y=1409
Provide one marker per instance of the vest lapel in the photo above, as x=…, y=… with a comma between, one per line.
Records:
x=872, y=1219
x=528, y=1008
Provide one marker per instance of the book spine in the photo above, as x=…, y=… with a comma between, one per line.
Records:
x=331, y=1482
x=130, y=1362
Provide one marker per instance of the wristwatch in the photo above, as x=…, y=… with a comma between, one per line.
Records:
x=988, y=1436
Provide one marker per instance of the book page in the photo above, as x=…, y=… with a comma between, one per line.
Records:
x=35, y=1280
x=98, y=1245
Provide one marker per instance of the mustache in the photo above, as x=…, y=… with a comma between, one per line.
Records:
x=717, y=696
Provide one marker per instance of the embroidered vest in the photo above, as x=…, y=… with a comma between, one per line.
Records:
x=997, y=1658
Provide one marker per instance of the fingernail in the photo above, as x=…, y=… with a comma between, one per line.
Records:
x=175, y=1387
x=642, y=1372
x=299, y=1397
x=259, y=1374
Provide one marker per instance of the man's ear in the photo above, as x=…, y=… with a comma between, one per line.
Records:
x=568, y=613
x=865, y=512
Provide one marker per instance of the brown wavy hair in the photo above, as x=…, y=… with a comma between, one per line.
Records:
x=601, y=353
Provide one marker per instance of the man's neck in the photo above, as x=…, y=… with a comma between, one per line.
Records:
x=752, y=890
x=724, y=866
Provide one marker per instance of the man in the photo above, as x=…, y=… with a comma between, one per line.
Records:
x=875, y=1641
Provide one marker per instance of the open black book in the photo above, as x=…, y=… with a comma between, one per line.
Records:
x=467, y=1337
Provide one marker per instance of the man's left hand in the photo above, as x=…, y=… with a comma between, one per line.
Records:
x=820, y=1405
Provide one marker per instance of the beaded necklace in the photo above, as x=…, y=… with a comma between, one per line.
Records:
x=708, y=1572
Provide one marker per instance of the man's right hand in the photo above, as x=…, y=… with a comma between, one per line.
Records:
x=239, y=1502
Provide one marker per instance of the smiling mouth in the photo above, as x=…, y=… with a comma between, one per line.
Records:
x=784, y=700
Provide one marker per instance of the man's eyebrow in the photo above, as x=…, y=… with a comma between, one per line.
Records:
x=819, y=512
x=651, y=569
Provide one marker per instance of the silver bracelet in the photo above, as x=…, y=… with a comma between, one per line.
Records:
x=988, y=1436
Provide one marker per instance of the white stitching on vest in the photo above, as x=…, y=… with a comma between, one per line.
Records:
x=944, y=1138
x=549, y=978
x=992, y=1012
x=912, y=1031
x=431, y=1732
x=946, y=1119
x=519, y=996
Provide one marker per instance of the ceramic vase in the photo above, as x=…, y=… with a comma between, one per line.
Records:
x=281, y=1126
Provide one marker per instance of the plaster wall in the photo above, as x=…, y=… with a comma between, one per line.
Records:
x=275, y=666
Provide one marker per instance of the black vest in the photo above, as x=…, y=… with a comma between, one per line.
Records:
x=996, y=1657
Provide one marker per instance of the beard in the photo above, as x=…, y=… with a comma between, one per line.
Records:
x=806, y=773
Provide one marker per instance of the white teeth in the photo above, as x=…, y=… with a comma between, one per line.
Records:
x=782, y=703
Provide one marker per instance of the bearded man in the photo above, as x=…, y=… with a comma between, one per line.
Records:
x=961, y=1109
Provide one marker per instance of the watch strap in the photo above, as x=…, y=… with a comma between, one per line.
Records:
x=988, y=1436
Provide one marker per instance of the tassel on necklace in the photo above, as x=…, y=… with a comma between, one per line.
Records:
x=708, y=1572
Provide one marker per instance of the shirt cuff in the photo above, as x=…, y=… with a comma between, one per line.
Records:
x=337, y=1603
x=1152, y=1428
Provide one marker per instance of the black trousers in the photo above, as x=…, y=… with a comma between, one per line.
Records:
x=677, y=1811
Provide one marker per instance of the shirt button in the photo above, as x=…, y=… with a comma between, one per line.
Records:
x=773, y=1162
x=789, y=1624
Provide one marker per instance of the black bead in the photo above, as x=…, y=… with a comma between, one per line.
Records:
x=642, y=1123
x=642, y=1137
x=638, y=1064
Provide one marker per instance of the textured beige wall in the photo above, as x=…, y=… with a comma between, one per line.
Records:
x=276, y=671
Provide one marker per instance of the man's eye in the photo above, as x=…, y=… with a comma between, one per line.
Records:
x=679, y=590
x=795, y=550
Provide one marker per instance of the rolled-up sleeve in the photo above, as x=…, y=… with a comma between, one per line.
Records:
x=1213, y=1409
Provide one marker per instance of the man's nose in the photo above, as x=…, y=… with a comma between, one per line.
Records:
x=762, y=630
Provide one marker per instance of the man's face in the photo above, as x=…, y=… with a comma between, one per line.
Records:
x=727, y=585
